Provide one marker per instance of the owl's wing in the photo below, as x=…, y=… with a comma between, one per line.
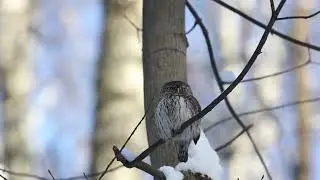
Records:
x=196, y=108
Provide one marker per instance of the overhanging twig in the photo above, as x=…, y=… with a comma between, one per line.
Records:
x=138, y=164
x=299, y=17
x=219, y=80
x=260, y=24
x=234, y=138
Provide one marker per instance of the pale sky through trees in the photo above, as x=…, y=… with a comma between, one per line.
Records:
x=64, y=100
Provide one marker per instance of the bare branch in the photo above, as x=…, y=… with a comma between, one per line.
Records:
x=224, y=94
x=51, y=174
x=192, y=28
x=4, y=178
x=260, y=24
x=273, y=74
x=309, y=61
x=23, y=174
x=263, y=110
x=132, y=23
x=219, y=79
x=13, y=173
x=128, y=139
x=273, y=9
x=299, y=17
x=85, y=176
x=234, y=138
x=138, y=164
x=138, y=29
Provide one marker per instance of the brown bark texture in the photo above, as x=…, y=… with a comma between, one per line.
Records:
x=119, y=87
x=16, y=83
x=164, y=59
x=300, y=31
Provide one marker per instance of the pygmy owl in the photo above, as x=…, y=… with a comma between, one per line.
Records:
x=177, y=105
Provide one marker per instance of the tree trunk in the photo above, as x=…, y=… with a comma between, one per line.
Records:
x=300, y=31
x=120, y=86
x=164, y=59
x=16, y=72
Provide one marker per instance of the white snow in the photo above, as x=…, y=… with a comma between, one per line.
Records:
x=130, y=156
x=227, y=76
x=171, y=173
x=2, y=172
x=203, y=159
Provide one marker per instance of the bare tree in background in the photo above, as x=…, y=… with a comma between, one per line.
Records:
x=16, y=72
x=120, y=82
x=300, y=31
x=164, y=59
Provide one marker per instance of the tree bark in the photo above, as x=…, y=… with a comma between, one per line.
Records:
x=300, y=31
x=119, y=86
x=164, y=59
x=16, y=82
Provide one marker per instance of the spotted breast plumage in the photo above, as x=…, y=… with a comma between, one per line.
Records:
x=176, y=105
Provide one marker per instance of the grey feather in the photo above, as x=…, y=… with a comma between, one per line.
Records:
x=177, y=105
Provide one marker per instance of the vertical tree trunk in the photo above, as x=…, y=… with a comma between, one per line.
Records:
x=120, y=86
x=300, y=31
x=16, y=69
x=164, y=59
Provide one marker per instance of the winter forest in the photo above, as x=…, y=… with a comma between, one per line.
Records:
x=82, y=82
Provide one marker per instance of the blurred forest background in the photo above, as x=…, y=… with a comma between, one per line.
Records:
x=72, y=86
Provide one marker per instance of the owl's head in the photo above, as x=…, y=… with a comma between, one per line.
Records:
x=176, y=87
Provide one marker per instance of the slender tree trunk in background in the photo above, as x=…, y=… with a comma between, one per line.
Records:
x=120, y=87
x=16, y=69
x=300, y=31
x=164, y=59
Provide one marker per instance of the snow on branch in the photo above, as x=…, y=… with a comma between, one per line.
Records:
x=202, y=159
x=203, y=163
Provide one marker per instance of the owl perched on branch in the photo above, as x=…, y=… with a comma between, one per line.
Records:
x=177, y=105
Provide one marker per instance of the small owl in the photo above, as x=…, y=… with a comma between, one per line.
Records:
x=177, y=105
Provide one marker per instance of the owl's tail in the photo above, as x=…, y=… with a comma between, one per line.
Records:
x=182, y=148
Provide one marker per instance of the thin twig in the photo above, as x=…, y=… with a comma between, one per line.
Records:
x=85, y=176
x=150, y=149
x=192, y=28
x=234, y=138
x=132, y=23
x=252, y=59
x=4, y=178
x=309, y=61
x=260, y=24
x=51, y=174
x=299, y=17
x=128, y=139
x=272, y=6
x=224, y=94
x=138, y=164
x=13, y=173
x=273, y=74
x=262, y=110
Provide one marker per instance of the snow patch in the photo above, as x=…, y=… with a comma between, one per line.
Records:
x=130, y=156
x=171, y=173
x=202, y=159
